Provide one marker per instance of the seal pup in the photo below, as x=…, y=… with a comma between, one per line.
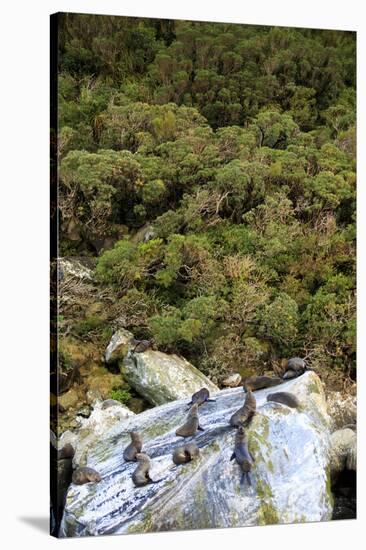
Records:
x=192, y=423
x=295, y=367
x=242, y=455
x=130, y=452
x=245, y=413
x=85, y=475
x=261, y=382
x=186, y=453
x=200, y=397
x=67, y=451
x=140, y=476
x=284, y=397
x=142, y=345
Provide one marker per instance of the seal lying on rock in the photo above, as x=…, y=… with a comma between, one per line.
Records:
x=67, y=451
x=245, y=413
x=200, y=397
x=191, y=425
x=186, y=453
x=142, y=345
x=85, y=475
x=295, y=367
x=242, y=455
x=130, y=452
x=261, y=382
x=140, y=476
x=284, y=397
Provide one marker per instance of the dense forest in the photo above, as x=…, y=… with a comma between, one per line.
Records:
x=208, y=174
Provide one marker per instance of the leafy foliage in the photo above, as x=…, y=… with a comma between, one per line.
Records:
x=236, y=146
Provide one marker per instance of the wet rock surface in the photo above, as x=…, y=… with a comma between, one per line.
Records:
x=290, y=477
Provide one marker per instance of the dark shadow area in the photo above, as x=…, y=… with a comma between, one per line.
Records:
x=344, y=492
x=40, y=523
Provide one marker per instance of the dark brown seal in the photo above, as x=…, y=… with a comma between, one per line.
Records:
x=192, y=423
x=85, y=475
x=186, y=453
x=245, y=413
x=242, y=455
x=261, y=382
x=142, y=345
x=284, y=397
x=200, y=397
x=295, y=367
x=67, y=451
x=141, y=476
x=130, y=452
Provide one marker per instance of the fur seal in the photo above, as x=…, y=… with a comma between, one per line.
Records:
x=245, y=413
x=67, y=451
x=130, y=452
x=284, y=397
x=200, y=397
x=186, y=453
x=242, y=455
x=85, y=475
x=295, y=367
x=142, y=345
x=192, y=423
x=140, y=476
x=61, y=474
x=261, y=382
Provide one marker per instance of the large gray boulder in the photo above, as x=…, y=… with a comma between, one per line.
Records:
x=342, y=410
x=158, y=377
x=290, y=479
x=343, y=451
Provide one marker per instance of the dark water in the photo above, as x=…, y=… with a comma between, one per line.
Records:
x=344, y=492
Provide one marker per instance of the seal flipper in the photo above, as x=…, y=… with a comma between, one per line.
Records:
x=245, y=477
x=212, y=400
x=155, y=480
x=233, y=456
x=200, y=428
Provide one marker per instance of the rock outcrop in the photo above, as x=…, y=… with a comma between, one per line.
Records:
x=342, y=410
x=343, y=451
x=232, y=381
x=158, y=377
x=91, y=430
x=290, y=478
x=73, y=267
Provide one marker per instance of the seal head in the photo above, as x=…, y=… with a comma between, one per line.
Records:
x=130, y=452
